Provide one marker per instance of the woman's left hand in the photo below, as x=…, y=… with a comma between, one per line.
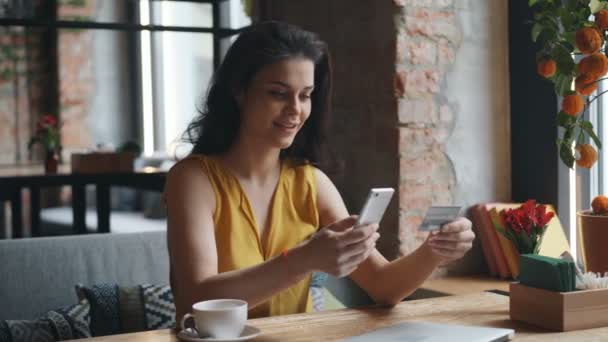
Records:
x=452, y=241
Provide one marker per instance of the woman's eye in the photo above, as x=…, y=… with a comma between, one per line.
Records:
x=279, y=94
x=305, y=96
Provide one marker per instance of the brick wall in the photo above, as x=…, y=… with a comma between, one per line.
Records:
x=12, y=96
x=25, y=92
x=76, y=81
x=428, y=36
x=24, y=74
x=391, y=123
x=417, y=106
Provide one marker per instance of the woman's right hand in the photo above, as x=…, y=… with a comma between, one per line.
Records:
x=339, y=248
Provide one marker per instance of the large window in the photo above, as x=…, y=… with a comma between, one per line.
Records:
x=177, y=66
x=112, y=71
x=579, y=186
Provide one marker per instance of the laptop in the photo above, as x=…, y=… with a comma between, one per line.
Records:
x=435, y=332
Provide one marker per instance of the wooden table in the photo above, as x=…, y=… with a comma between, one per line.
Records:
x=14, y=179
x=483, y=309
x=459, y=285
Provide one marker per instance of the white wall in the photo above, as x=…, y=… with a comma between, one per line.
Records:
x=477, y=88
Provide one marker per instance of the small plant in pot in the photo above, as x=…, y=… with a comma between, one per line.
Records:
x=593, y=235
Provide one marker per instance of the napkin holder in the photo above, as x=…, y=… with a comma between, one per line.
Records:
x=561, y=311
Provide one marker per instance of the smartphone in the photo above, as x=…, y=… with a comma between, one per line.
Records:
x=375, y=205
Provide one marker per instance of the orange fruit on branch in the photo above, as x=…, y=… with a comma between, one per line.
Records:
x=547, y=67
x=587, y=156
x=588, y=40
x=595, y=65
x=600, y=205
x=601, y=19
x=572, y=104
x=585, y=84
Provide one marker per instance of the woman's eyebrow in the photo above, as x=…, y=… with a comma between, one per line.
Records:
x=283, y=84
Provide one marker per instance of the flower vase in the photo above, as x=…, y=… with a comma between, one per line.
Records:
x=593, y=237
x=51, y=161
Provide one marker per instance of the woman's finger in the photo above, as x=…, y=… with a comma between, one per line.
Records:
x=452, y=245
x=460, y=236
x=343, y=224
x=447, y=253
x=358, y=234
x=459, y=225
x=359, y=247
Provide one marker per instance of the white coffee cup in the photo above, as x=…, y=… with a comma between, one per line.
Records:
x=218, y=318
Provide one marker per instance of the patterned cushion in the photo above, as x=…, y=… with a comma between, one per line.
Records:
x=116, y=309
x=158, y=306
x=317, y=290
x=56, y=325
x=78, y=317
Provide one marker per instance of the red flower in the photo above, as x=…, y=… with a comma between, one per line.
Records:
x=47, y=121
x=47, y=133
x=529, y=219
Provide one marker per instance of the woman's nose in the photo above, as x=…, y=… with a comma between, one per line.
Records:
x=294, y=106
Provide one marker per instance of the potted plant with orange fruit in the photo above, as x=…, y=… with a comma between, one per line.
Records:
x=593, y=235
x=573, y=36
x=565, y=30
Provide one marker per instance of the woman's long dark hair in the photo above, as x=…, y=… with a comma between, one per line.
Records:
x=216, y=128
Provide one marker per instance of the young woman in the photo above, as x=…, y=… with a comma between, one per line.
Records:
x=250, y=214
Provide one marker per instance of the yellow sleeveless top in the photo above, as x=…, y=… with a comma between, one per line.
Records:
x=293, y=217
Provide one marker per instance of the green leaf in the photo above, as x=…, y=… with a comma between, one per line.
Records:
x=537, y=28
x=563, y=58
x=565, y=120
x=563, y=84
x=568, y=19
x=588, y=127
x=565, y=151
x=570, y=38
x=532, y=2
x=502, y=231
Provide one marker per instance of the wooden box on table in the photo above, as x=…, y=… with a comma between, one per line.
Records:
x=561, y=311
x=97, y=162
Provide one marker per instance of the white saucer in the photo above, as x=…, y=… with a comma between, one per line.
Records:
x=248, y=333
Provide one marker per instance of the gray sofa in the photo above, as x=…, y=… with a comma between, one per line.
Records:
x=40, y=274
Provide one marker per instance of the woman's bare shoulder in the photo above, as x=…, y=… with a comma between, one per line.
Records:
x=188, y=179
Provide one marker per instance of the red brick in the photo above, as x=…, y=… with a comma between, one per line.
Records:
x=418, y=83
x=417, y=111
x=415, y=196
x=418, y=169
x=414, y=141
x=433, y=24
x=398, y=86
x=420, y=52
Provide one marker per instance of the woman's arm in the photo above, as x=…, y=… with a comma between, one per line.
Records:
x=390, y=282
x=193, y=255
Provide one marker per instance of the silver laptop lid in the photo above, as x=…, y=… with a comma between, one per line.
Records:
x=435, y=332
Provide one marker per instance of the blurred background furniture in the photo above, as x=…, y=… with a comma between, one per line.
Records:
x=14, y=180
x=40, y=274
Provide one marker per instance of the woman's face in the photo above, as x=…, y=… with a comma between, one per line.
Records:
x=277, y=102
